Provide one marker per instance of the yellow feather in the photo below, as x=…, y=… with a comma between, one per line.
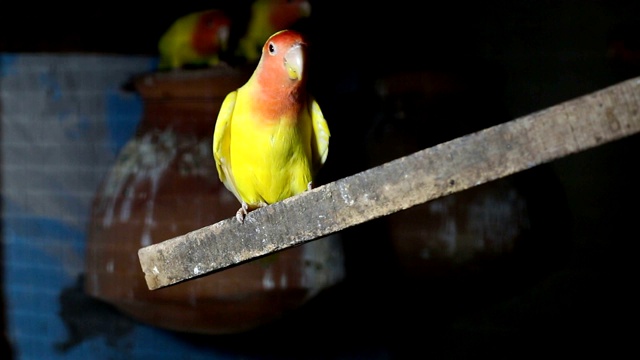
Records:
x=221, y=142
x=320, y=138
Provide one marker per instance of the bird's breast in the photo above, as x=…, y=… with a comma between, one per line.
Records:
x=270, y=159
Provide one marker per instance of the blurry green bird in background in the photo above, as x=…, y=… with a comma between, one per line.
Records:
x=195, y=39
x=268, y=17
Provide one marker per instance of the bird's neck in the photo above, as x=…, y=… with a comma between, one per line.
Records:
x=279, y=102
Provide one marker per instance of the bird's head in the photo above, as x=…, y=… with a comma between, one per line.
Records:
x=284, y=54
x=212, y=32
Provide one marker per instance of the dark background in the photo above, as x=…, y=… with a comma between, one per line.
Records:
x=570, y=295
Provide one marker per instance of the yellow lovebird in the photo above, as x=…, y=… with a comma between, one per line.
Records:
x=195, y=39
x=270, y=137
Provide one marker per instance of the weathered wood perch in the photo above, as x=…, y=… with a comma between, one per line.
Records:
x=453, y=166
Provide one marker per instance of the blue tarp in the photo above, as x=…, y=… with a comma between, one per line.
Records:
x=64, y=119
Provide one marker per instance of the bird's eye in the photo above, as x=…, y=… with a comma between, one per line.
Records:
x=272, y=49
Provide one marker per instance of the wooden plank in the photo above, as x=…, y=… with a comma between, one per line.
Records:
x=468, y=161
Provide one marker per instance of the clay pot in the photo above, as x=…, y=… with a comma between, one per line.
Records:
x=164, y=184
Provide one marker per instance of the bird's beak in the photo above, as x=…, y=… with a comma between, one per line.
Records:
x=305, y=9
x=294, y=62
x=223, y=37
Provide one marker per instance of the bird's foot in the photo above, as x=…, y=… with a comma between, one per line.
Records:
x=310, y=185
x=242, y=212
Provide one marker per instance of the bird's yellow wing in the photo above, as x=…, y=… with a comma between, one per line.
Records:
x=221, y=142
x=320, y=136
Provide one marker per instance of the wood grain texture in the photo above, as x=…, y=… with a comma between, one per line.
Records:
x=456, y=165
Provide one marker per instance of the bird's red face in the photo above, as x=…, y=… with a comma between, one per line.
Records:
x=284, y=54
x=211, y=33
x=281, y=75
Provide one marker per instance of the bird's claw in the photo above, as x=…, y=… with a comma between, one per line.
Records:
x=242, y=213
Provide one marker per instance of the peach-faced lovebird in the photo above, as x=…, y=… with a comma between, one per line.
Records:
x=195, y=39
x=267, y=17
x=271, y=138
